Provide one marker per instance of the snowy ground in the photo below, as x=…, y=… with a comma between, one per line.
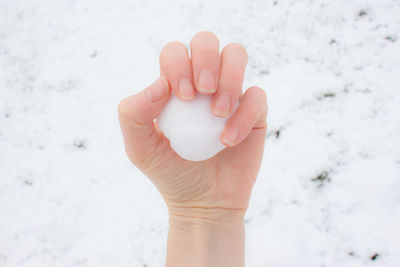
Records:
x=328, y=193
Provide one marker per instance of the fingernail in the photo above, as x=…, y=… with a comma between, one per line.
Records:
x=230, y=136
x=222, y=104
x=157, y=90
x=186, y=89
x=207, y=82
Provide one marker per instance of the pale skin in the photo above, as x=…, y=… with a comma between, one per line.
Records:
x=206, y=200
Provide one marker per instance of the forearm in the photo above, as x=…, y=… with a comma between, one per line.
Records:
x=207, y=238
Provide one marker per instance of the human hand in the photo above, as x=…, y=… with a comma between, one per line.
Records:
x=216, y=190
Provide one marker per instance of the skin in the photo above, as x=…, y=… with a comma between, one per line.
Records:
x=206, y=200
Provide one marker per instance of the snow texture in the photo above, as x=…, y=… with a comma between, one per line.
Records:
x=328, y=190
x=191, y=128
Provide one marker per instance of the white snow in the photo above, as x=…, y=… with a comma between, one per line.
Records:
x=191, y=128
x=328, y=190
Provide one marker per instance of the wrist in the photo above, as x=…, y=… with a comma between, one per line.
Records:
x=206, y=237
x=206, y=215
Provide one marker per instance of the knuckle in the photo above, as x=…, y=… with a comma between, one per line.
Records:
x=176, y=45
x=236, y=48
x=247, y=115
x=124, y=108
x=207, y=36
x=150, y=160
x=171, y=52
x=263, y=97
x=266, y=108
x=234, y=52
x=173, y=47
x=258, y=91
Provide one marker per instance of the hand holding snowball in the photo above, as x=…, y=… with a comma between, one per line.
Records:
x=206, y=199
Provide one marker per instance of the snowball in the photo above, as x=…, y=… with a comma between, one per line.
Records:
x=192, y=129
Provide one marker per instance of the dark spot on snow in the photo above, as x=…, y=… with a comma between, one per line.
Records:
x=329, y=134
x=362, y=13
x=321, y=178
x=81, y=262
x=246, y=221
x=276, y=133
x=28, y=182
x=337, y=73
x=351, y=253
x=263, y=72
x=374, y=257
x=332, y=41
x=3, y=51
x=81, y=144
x=364, y=155
x=144, y=265
x=41, y=147
x=358, y=67
x=275, y=3
x=326, y=95
x=346, y=88
x=266, y=212
x=391, y=38
x=363, y=90
x=7, y=115
x=94, y=54
x=66, y=85
x=329, y=94
x=3, y=258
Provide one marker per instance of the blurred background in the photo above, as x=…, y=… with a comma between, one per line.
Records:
x=328, y=193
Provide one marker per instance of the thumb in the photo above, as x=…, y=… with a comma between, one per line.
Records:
x=136, y=114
